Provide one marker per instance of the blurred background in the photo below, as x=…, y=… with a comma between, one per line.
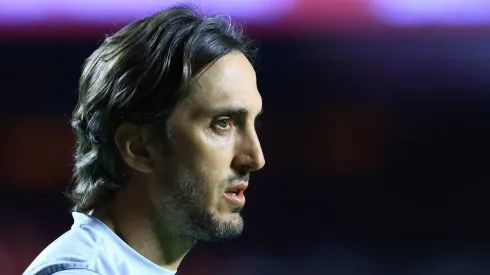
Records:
x=376, y=133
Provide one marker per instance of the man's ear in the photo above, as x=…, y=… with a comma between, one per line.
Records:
x=133, y=144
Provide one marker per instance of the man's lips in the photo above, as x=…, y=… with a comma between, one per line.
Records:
x=237, y=188
x=235, y=194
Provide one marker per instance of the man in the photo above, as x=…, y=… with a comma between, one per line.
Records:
x=166, y=141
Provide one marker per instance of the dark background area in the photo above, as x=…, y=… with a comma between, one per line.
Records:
x=376, y=147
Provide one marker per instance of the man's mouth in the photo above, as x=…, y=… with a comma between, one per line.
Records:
x=238, y=188
x=235, y=193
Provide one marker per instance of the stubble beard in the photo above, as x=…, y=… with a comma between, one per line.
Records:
x=185, y=211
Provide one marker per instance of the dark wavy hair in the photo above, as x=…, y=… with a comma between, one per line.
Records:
x=139, y=75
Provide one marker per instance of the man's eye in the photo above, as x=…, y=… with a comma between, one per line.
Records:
x=224, y=124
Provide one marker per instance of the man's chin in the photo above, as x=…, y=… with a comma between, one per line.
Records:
x=226, y=227
x=237, y=210
x=222, y=236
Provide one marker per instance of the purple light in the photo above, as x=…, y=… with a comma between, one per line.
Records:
x=26, y=12
x=432, y=12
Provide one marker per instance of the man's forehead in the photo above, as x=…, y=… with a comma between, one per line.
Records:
x=229, y=83
x=230, y=75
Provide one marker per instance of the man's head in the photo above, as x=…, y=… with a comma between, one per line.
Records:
x=169, y=104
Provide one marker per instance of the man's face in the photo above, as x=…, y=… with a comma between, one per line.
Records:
x=213, y=149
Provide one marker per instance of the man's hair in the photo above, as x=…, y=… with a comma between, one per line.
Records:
x=139, y=75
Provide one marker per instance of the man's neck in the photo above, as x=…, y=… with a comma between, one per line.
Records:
x=142, y=229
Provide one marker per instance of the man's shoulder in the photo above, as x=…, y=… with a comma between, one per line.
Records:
x=76, y=249
x=78, y=271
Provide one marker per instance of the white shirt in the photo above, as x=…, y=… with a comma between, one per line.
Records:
x=90, y=248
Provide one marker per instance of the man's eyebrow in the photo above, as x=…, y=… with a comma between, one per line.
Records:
x=229, y=110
